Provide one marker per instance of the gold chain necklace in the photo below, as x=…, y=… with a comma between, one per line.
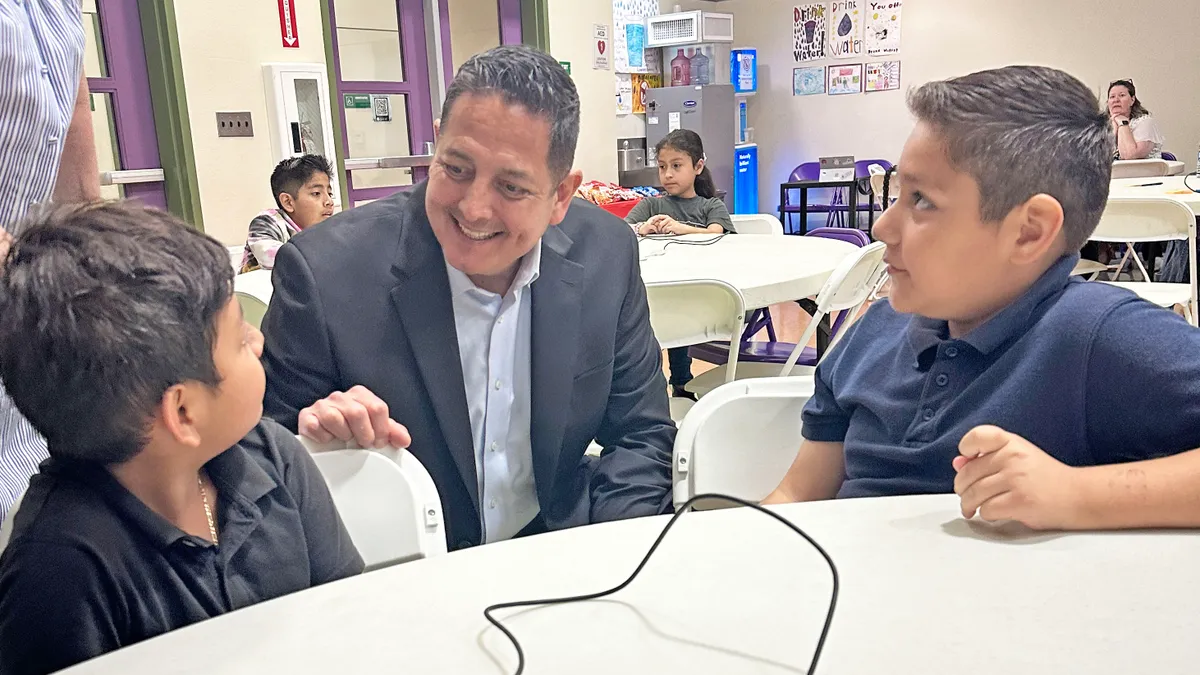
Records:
x=212, y=524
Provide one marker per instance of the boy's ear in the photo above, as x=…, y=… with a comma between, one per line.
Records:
x=288, y=202
x=177, y=414
x=1039, y=224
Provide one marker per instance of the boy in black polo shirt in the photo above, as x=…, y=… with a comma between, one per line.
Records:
x=991, y=372
x=166, y=499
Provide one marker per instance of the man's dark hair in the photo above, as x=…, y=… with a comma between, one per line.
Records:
x=105, y=307
x=533, y=79
x=1022, y=131
x=292, y=174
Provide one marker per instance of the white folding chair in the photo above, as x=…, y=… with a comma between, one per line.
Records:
x=758, y=223
x=6, y=527
x=740, y=439
x=1140, y=168
x=235, y=257
x=1130, y=220
x=685, y=313
x=387, y=500
x=253, y=292
x=847, y=290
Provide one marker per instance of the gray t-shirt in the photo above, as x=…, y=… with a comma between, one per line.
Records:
x=697, y=211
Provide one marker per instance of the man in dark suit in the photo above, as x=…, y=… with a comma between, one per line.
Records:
x=487, y=317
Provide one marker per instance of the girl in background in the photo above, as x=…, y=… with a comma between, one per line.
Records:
x=690, y=207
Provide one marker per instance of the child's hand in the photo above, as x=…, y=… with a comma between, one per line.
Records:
x=1005, y=477
x=672, y=226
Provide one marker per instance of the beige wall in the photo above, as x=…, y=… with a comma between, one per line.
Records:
x=571, y=24
x=474, y=28
x=223, y=72
x=1154, y=42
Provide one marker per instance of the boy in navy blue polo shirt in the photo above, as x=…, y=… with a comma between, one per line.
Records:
x=1035, y=396
x=166, y=499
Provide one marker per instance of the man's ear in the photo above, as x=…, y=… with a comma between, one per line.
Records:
x=1038, y=226
x=437, y=129
x=288, y=202
x=177, y=413
x=563, y=194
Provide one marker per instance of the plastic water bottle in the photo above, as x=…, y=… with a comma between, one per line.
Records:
x=1198, y=162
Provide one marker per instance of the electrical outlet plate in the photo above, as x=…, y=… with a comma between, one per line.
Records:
x=234, y=124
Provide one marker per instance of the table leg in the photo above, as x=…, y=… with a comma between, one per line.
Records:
x=782, y=202
x=803, y=210
x=852, y=205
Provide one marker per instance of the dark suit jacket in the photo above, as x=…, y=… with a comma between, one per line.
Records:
x=364, y=299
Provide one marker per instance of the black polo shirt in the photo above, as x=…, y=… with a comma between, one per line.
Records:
x=90, y=568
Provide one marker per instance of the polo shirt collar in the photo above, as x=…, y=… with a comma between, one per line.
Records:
x=238, y=479
x=925, y=333
x=528, y=272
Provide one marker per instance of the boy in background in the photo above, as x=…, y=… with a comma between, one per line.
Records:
x=990, y=371
x=303, y=191
x=166, y=499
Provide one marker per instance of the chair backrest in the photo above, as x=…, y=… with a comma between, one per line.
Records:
x=235, y=257
x=387, y=500
x=1169, y=156
x=740, y=438
x=6, y=528
x=685, y=313
x=862, y=167
x=253, y=292
x=806, y=171
x=1138, y=219
x=758, y=223
x=1140, y=168
x=850, y=235
x=253, y=309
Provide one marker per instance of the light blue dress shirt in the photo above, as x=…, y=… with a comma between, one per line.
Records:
x=494, y=348
x=41, y=59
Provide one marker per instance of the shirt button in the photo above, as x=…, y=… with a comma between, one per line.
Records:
x=499, y=320
x=928, y=414
x=494, y=446
x=492, y=504
x=498, y=385
x=952, y=352
x=52, y=140
x=45, y=69
x=942, y=380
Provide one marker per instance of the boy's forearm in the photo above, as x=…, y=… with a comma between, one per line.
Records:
x=816, y=474
x=1162, y=492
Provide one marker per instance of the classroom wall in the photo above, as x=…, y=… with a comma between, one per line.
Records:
x=1153, y=41
x=474, y=28
x=222, y=62
x=571, y=24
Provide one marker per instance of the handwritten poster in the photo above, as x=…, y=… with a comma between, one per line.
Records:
x=625, y=94
x=808, y=31
x=629, y=37
x=845, y=80
x=845, y=29
x=882, y=76
x=808, y=81
x=642, y=84
x=883, y=27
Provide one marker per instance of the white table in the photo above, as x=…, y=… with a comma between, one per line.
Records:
x=1132, y=187
x=767, y=269
x=734, y=592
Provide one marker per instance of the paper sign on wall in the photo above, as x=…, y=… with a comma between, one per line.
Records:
x=883, y=27
x=625, y=94
x=287, y=24
x=672, y=121
x=629, y=53
x=844, y=80
x=600, y=54
x=808, y=31
x=882, y=76
x=845, y=31
x=808, y=81
x=642, y=84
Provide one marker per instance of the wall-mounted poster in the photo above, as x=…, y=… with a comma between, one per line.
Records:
x=845, y=29
x=642, y=84
x=844, y=79
x=808, y=81
x=808, y=31
x=629, y=37
x=882, y=76
x=883, y=27
x=625, y=94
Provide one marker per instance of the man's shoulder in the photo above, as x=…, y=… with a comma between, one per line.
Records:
x=594, y=232
x=360, y=231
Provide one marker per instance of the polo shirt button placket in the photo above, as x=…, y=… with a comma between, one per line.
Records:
x=942, y=380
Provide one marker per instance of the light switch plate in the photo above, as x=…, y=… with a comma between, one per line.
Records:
x=234, y=124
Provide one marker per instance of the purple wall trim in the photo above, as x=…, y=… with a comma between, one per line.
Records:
x=447, y=52
x=510, y=22
x=128, y=85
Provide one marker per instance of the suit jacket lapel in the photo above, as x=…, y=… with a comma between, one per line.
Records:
x=422, y=299
x=556, y=297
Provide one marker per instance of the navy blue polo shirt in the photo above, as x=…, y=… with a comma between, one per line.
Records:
x=1085, y=371
x=90, y=568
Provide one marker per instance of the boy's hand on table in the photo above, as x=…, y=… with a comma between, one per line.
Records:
x=1005, y=477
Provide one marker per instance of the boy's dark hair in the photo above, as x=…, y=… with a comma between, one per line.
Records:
x=533, y=79
x=1138, y=110
x=292, y=174
x=688, y=142
x=105, y=307
x=1021, y=131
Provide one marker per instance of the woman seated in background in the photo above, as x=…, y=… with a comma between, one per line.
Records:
x=1137, y=133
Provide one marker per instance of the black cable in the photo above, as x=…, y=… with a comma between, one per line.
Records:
x=1188, y=185
x=487, y=613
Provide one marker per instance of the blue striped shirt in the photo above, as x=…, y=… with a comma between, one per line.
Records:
x=41, y=60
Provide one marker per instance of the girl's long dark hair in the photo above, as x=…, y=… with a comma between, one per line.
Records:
x=1138, y=110
x=688, y=142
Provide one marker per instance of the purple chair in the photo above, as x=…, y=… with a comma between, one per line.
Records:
x=1170, y=157
x=823, y=200
x=773, y=351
